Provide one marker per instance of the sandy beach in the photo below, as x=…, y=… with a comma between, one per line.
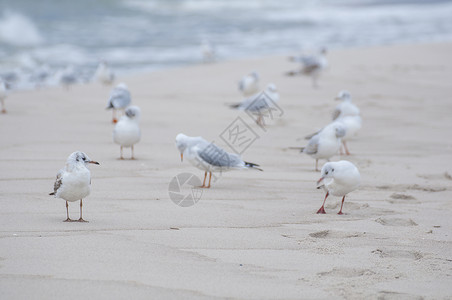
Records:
x=253, y=235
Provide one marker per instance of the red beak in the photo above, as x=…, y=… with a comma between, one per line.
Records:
x=320, y=180
x=94, y=162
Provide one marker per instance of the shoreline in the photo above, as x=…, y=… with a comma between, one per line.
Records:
x=253, y=235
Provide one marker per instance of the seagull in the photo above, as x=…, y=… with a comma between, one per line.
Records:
x=346, y=107
x=207, y=51
x=325, y=143
x=104, y=74
x=3, y=94
x=338, y=179
x=73, y=182
x=249, y=84
x=127, y=131
x=311, y=65
x=260, y=103
x=119, y=99
x=67, y=77
x=209, y=157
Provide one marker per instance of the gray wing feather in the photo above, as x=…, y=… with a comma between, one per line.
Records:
x=58, y=182
x=313, y=145
x=214, y=155
x=336, y=114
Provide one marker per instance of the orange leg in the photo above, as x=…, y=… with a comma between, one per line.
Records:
x=317, y=165
x=322, y=209
x=340, y=211
x=81, y=219
x=204, y=182
x=132, y=153
x=345, y=147
x=210, y=178
x=67, y=214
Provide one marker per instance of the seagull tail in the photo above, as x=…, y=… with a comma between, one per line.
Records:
x=51, y=194
x=237, y=105
x=110, y=105
x=252, y=166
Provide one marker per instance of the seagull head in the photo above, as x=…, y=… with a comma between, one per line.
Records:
x=340, y=130
x=344, y=96
x=181, y=144
x=255, y=75
x=326, y=172
x=80, y=157
x=272, y=88
x=133, y=112
x=123, y=86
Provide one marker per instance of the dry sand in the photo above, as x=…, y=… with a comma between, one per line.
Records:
x=254, y=234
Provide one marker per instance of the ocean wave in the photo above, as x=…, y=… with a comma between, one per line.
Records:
x=18, y=30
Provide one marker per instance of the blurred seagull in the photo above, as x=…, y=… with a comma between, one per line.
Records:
x=325, y=143
x=249, y=84
x=338, y=179
x=3, y=95
x=260, y=103
x=119, y=99
x=127, y=131
x=73, y=182
x=104, y=74
x=346, y=107
x=209, y=157
x=67, y=77
x=311, y=65
x=207, y=51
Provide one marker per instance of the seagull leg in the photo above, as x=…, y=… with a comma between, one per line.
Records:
x=317, y=164
x=204, y=182
x=114, y=116
x=132, y=153
x=210, y=178
x=345, y=147
x=121, y=157
x=3, y=107
x=67, y=214
x=81, y=219
x=340, y=211
x=322, y=209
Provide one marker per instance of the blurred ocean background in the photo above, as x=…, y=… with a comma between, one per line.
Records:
x=41, y=38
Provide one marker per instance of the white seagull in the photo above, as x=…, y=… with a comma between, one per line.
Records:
x=207, y=51
x=311, y=65
x=260, y=103
x=209, y=157
x=338, y=179
x=346, y=107
x=73, y=182
x=326, y=143
x=249, y=84
x=104, y=74
x=3, y=95
x=127, y=131
x=119, y=99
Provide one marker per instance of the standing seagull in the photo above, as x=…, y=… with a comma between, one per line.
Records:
x=207, y=51
x=119, y=99
x=3, y=94
x=249, y=84
x=260, y=103
x=73, y=182
x=346, y=107
x=349, y=114
x=104, y=74
x=209, y=157
x=311, y=65
x=127, y=131
x=326, y=143
x=338, y=179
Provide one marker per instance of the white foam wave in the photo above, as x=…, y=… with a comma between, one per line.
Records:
x=18, y=30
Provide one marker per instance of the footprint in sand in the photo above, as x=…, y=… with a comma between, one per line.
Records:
x=414, y=255
x=347, y=272
x=335, y=234
x=403, y=198
x=396, y=222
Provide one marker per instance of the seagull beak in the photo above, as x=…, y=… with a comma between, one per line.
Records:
x=320, y=180
x=181, y=157
x=94, y=162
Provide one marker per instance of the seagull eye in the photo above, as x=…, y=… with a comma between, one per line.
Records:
x=326, y=173
x=332, y=170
